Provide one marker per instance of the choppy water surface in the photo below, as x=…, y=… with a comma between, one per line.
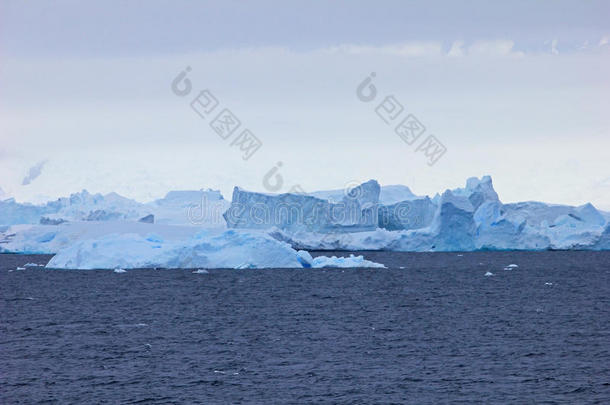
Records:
x=436, y=331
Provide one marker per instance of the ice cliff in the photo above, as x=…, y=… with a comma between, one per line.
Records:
x=354, y=212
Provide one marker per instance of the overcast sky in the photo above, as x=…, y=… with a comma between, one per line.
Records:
x=518, y=90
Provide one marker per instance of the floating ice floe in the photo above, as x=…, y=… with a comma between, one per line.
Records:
x=489, y=273
x=33, y=265
x=20, y=268
x=120, y=271
x=340, y=262
x=201, y=271
x=511, y=267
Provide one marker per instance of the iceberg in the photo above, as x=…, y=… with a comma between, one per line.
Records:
x=387, y=194
x=339, y=262
x=356, y=211
x=199, y=208
x=229, y=249
x=206, y=249
x=187, y=207
x=603, y=243
x=464, y=219
x=366, y=217
x=408, y=214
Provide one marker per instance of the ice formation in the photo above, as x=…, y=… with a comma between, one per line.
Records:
x=50, y=239
x=366, y=217
x=465, y=219
x=356, y=211
x=340, y=262
x=206, y=249
x=201, y=208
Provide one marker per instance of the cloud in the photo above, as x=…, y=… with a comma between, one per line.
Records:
x=34, y=172
x=457, y=49
x=423, y=48
x=493, y=48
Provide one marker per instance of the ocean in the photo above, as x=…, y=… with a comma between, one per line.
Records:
x=431, y=328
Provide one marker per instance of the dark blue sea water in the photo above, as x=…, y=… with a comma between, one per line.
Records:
x=437, y=331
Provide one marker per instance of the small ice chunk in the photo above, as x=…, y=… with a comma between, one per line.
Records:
x=548, y=283
x=345, y=262
x=20, y=268
x=120, y=271
x=33, y=265
x=489, y=273
x=305, y=258
x=511, y=266
x=200, y=271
